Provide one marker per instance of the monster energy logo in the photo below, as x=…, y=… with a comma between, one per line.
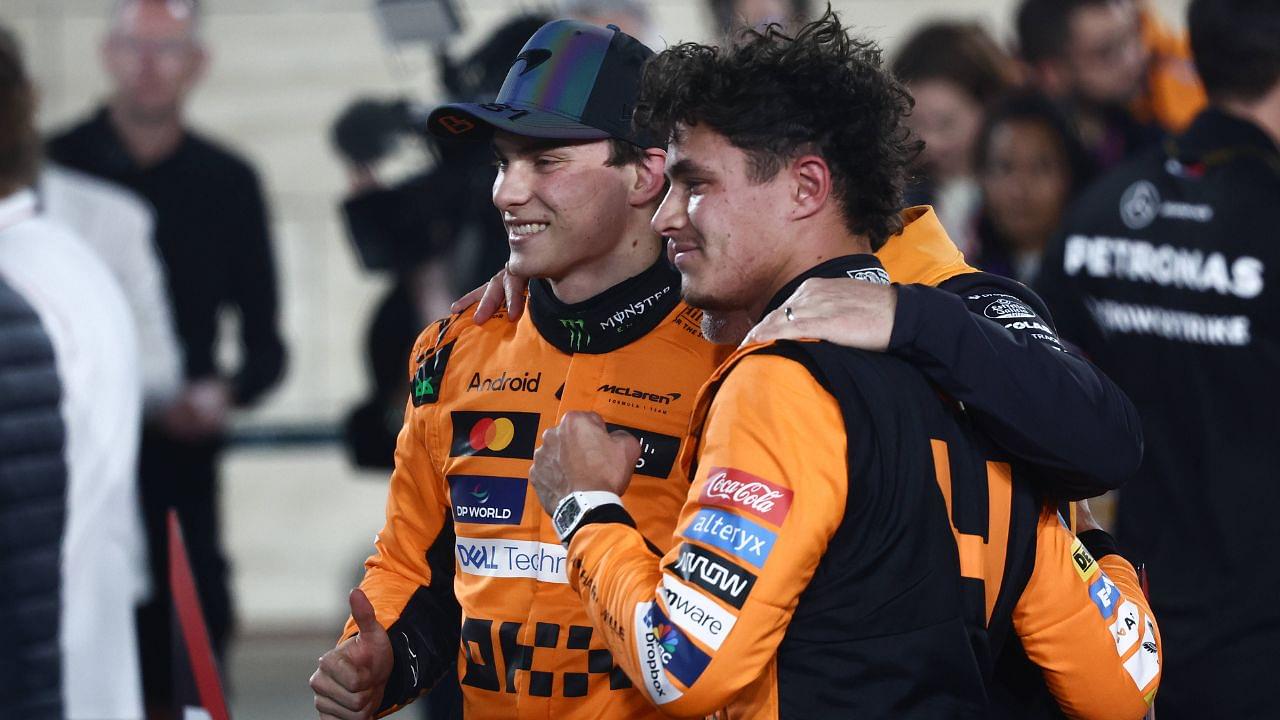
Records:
x=578, y=337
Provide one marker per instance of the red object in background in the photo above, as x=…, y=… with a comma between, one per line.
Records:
x=191, y=636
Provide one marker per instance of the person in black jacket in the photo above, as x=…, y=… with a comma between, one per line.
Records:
x=1163, y=273
x=211, y=230
x=33, y=487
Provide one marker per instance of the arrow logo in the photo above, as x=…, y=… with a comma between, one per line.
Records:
x=533, y=58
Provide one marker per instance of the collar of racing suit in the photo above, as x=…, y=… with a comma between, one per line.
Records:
x=1217, y=137
x=614, y=318
x=859, y=267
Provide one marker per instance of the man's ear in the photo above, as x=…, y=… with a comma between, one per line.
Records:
x=810, y=186
x=650, y=178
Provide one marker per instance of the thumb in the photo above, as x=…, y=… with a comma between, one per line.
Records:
x=362, y=613
x=630, y=446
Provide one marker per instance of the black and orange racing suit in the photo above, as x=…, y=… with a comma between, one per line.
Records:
x=459, y=508
x=814, y=573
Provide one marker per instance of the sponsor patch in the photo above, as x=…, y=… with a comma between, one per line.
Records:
x=1145, y=664
x=493, y=434
x=649, y=651
x=1105, y=595
x=657, y=451
x=736, y=535
x=676, y=653
x=486, y=499
x=503, y=381
x=1082, y=561
x=871, y=275
x=1006, y=307
x=716, y=575
x=1139, y=205
x=695, y=614
x=1125, y=629
x=540, y=561
x=424, y=386
x=739, y=490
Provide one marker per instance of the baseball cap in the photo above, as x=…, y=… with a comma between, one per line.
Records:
x=571, y=81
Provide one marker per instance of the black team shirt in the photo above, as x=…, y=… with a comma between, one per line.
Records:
x=211, y=231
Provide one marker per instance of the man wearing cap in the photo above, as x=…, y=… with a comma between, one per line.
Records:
x=605, y=332
x=465, y=546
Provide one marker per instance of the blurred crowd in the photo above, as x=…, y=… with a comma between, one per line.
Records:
x=126, y=235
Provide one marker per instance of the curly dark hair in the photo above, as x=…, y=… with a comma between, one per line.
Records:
x=777, y=97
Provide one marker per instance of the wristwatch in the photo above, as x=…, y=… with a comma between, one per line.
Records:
x=574, y=506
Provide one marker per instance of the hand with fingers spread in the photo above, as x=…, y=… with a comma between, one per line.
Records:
x=504, y=287
x=851, y=313
x=581, y=454
x=348, y=684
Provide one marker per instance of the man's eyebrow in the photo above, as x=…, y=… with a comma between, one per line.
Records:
x=685, y=167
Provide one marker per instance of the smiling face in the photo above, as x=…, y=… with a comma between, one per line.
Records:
x=565, y=210
x=721, y=225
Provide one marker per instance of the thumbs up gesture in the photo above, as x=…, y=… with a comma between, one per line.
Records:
x=348, y=684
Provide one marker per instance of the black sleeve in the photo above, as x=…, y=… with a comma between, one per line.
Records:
x=424, y=641
x=989, y=342
x=253, y=290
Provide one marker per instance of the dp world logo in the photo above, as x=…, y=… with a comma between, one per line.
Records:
x=578, y=337
x=1139, y=205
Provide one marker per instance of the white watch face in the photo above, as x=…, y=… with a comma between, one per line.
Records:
x=568, y=514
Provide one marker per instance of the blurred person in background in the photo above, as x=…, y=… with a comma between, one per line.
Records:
x=119, y=226
x=1030, y=165
x=1114, y=67
x=1164, y=274
x=729, y=16
x=631, y=16
x=94, y=343
x=211, y=230
x=954, y=71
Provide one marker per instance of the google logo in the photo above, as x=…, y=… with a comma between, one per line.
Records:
x=492, y=434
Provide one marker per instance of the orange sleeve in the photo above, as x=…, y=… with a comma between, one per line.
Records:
x=696, y=627
x=423, y=631
x=1088, y=625
x=417, y=507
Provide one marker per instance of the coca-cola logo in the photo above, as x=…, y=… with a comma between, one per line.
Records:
x=740, y=490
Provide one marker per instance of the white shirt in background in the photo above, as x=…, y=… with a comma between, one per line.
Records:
x=92, y=331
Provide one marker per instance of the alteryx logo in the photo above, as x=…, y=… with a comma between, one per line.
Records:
x=487, y=500
x=736, y=535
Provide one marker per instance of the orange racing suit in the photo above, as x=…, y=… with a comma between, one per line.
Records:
x=458, y=506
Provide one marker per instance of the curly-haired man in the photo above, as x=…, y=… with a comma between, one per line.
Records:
x=815, y=568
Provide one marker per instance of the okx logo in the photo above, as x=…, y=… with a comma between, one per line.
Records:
x=657, y=451
x=579, y=338
x=494, y=434
x=487, y=500
x=424, y=387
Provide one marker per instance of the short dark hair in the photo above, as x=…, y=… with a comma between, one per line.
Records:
x=1044, y=27
x=19, y=140
x=776, y=97
x=959, y=53
x=622, y=153
x=1032, y=106
x=1236, y=45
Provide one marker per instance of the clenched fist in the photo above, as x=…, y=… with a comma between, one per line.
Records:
x=581, y=454
x=351, y=677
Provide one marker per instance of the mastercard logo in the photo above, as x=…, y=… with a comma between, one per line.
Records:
x=492, y=434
